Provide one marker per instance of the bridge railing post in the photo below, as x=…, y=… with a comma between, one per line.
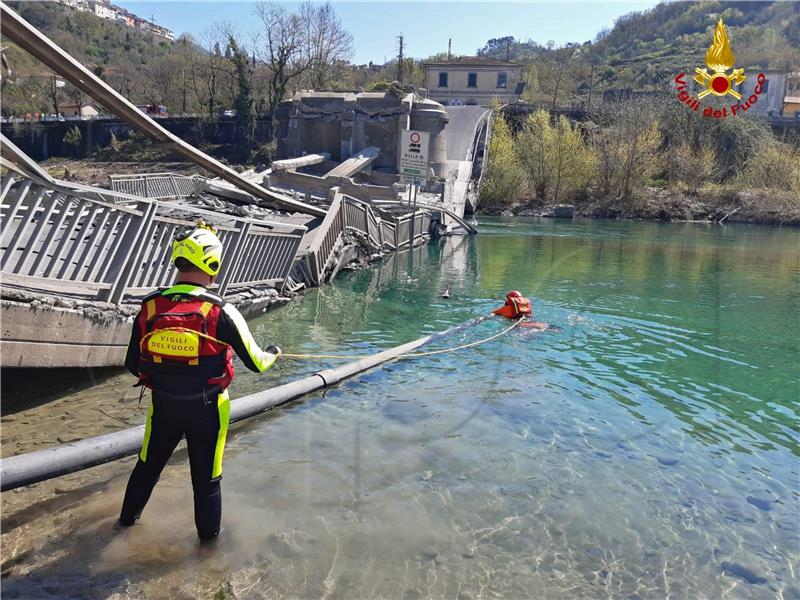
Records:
x=235, y=257
x=125, y=261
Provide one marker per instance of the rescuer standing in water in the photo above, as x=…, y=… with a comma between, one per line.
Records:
x=181, y=348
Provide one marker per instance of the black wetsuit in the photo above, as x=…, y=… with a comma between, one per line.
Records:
x=181, y=407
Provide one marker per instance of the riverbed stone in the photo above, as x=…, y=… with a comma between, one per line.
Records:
x=760, y=503
x=749, y=574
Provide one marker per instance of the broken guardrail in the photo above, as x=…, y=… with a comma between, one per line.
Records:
x=56, y=238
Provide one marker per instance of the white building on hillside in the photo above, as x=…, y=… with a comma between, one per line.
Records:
x=472, y=80
x=103, y=10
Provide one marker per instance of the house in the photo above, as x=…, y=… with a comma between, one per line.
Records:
x=163, y=32
x=103, y=10
x=472, y=80
x=126, y=18
x=770, y=101
x=791, y=100
x=86, y=111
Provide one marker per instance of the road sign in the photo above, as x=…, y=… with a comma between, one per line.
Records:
x=414, y=156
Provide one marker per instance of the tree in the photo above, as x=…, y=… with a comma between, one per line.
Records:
x=327, y=43
x=72, y=138
x=307, y=47
x=553, y=69
x=627, y=141
x=535, y=144
x=75, y=95
x=557, y=160
x=126, y=78
x=243, y=101
x=284, y=54
x=55, y=94
x=208, y=70
x=502, y=180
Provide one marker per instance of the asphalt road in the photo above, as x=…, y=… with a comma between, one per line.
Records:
x=461, y=129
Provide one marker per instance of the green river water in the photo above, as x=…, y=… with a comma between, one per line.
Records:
x=648, y=450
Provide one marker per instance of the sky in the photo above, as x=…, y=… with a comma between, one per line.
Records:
x=425, y=26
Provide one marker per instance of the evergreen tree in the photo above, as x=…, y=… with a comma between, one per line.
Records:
x=243, y=103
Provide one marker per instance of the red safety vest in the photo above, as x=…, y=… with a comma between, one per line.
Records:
x=515, y=308
x=178, y=339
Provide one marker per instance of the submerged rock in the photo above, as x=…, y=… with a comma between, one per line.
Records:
x=667, y=460
x=760, y=503
x=743, y=572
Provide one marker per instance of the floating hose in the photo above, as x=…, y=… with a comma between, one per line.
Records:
x=40, y=465
x=408, y=355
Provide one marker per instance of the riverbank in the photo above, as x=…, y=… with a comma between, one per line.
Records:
x=713, y=205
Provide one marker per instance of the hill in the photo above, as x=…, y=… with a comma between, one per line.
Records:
x=111, y=49
x=644, y=49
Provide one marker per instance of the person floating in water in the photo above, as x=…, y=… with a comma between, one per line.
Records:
x=516, y=307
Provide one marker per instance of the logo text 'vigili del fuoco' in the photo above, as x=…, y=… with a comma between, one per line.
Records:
x=719, y=59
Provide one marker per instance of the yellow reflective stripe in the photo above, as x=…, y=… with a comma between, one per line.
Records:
x=184, y=288
x=205, y=308
x=224, y=410
x=262, y=360
x=149, y=309
x=148, y=426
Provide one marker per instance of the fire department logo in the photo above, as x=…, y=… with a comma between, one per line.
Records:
x=719, y=58
x=716, y=80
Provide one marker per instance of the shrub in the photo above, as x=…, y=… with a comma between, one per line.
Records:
x=775, y=166
x=503, y=181
x=72, y=138
x=555, y=157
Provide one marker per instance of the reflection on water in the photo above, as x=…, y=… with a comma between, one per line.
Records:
x=649, y=450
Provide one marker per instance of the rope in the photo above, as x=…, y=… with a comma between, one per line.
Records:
x=410, y=354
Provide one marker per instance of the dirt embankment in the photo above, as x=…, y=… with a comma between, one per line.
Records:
x=92, y=172
x=766, y=207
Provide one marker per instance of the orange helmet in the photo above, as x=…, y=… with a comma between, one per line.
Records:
x=513, y=294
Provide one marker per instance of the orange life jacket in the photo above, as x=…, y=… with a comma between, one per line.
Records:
x=178, y=345
x=515, y=308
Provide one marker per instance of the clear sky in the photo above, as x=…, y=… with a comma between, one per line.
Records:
x=426, y=26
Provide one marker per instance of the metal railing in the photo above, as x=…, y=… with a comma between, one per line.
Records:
x=385, y=231
x=327, y=235
x=65, y=241
x=158, y=186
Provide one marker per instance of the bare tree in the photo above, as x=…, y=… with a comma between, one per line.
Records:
x=307, y=46
x=208, y=71
x=125, y=78
x=327, y=43
x=75, y=95
x=161, y=81
x=284, y=52
x=627, y=141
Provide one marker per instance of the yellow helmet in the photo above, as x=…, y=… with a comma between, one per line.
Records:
x=200, y=246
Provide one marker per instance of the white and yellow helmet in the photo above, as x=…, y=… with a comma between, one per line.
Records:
x=200, y=246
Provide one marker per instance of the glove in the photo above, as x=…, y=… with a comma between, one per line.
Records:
x=274, y=350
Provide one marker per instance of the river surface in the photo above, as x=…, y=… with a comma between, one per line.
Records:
x=649, y=450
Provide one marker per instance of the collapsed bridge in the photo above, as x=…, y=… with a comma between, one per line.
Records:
x=76, y=259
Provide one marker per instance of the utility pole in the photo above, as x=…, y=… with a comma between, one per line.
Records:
x=449, y=48
x=400, y=60
x=54, y=93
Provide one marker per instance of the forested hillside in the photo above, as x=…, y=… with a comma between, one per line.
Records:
x=113, y=51
x=644, y=49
